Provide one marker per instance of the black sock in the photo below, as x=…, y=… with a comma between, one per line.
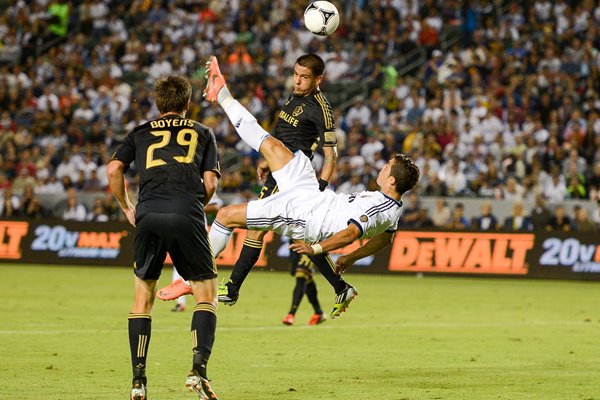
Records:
x=311, y=293
x=298, y=293
x=248, y=257
x=204, y=324
x=325, y=265
x=140, y=326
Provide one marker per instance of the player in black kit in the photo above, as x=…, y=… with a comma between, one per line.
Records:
x=177, y=161
x=305, y=121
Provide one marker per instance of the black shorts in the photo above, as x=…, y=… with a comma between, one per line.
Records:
x=186, y=240
x=269, y=187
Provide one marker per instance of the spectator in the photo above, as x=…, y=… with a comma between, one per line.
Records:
x=98, y=212
x=486, y=221
x=441, y=214
x=540, y=215
x=581, y=220
x=74, y=210
x=411, y=213
x=458, y=219
x=518, y=221
x=9, y=204
x=559, y=221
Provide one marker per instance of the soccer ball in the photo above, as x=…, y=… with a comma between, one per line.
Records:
x=321, y=18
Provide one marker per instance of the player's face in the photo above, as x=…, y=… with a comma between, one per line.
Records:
x=384, y=173
x=304, y=81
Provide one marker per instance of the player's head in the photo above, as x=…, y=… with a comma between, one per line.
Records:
x=400, y=173
x=308, y=73
x=173, y=94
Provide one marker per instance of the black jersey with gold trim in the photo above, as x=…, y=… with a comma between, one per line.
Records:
x=306, y=121
x=171, y=155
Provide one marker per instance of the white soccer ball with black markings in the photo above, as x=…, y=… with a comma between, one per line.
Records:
x=321, y=18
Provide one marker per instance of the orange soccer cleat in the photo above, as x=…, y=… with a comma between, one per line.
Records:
x=174, y=290
x=289, y=319
x=317, y=319
x=215, y=81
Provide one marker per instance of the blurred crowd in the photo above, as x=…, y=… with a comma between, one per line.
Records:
x=504, y=105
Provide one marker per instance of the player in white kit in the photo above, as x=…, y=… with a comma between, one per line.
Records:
x=317, y=221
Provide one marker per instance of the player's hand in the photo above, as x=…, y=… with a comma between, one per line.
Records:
x=301, y=248
x=130, y=214
x=263, y=170
x=342, y=264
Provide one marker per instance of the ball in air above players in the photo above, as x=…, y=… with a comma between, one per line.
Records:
x=321, y=18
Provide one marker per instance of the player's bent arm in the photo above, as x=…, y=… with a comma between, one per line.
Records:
x=371, y=247
x=211, y=180
x=330, y=157
x=116, y=182
x=337, y=241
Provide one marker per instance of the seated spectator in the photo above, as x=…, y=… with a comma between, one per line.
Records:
x=513, y=191
x=560, y=221
x=518, y=221
x=74, y=210
x=98, y=212
x=423, y=220
x=22, y=180
x=458, y=220
x=576, y=189
x=486, y=221
x=33, y=209
x=9, y=204
x=582, y=221
x=410, y=214
x=441, y=215
x=554, y=189
x=540, y=215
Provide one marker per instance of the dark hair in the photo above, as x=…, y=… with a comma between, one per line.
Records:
x=172, y=93
x=405, y=172
x=312, y=62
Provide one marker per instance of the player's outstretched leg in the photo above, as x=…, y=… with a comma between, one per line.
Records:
x=246, y=126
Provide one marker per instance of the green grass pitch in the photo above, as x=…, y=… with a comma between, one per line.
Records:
x=63, y=335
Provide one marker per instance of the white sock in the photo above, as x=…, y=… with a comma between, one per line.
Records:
x=245, y=124
x=219, y=237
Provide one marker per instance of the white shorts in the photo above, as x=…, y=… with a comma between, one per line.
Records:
x=286, y=211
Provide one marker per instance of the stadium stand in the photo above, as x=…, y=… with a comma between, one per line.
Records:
x=495, y=100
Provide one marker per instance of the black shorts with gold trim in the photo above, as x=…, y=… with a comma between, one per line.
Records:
x=183, y=237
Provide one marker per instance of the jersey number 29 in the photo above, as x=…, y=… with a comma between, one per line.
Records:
x=185, y=137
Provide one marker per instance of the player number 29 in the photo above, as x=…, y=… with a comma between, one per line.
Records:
x=185, y=137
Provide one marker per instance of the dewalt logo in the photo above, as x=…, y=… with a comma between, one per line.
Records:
x=464, y=252
x=11, y=235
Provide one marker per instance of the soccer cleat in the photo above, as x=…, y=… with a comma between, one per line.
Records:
x=342, y=300
x=316, y=319
x=226, y=294
x=200, y=386
x=138, y=390
x=178, y=308
x=288, y=320
x=214, y=79
x=174, y=290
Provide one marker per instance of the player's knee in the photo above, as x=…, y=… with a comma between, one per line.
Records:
x=225, y=216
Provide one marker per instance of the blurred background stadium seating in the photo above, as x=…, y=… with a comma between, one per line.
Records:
x=497, y=101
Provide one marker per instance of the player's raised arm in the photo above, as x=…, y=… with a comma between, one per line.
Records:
x=371, y=247
x=337, y=241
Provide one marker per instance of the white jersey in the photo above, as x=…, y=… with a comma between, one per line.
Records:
x=301, y=211
x=372, y=212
